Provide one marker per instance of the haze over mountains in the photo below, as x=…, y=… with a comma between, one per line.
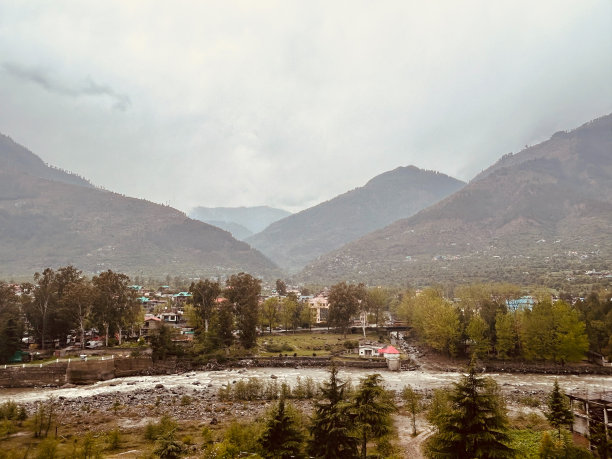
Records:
x=542, y=214
x=242, y=222
x=50, y=218
x=295, y=240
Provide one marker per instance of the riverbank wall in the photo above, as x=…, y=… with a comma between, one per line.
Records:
x=52, y=374
x=305, y=362
x=76, y=372
x=551, y=369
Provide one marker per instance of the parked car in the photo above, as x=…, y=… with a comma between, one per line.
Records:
x=94, y=344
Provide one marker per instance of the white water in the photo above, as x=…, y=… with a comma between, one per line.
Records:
x=583, y=384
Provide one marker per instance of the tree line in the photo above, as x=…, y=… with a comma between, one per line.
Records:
x=479, y=321
x=59, y=302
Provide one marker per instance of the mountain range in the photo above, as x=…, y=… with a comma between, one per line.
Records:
x=541, y=215
x=50, y=218
x=299, y=238
x=242, y=222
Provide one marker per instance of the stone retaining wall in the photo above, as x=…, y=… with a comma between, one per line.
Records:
x=133, y=366
x=77, y=372
x=90, y=371
x=285, y=362
x=52, y=374
x=524, y=367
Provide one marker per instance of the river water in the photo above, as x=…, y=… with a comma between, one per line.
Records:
x=591, y=385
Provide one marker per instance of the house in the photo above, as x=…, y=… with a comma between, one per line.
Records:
x=389, y=352
x=369, y=349
x=593, y=418
x=181, y=297
x=170, y=318
x=151, y=325
x=392, y=356
x=525, y=302
x=321, y=307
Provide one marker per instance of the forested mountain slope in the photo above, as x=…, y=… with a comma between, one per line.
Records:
x=544, y=214
x=295, y=240
x=46, y=222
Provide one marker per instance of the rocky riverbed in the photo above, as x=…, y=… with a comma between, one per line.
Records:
x=161, y=394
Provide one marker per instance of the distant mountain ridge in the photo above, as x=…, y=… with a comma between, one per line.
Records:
x=541, y=214
x=50, y=218
x=235, y=229
x=298, y=239
x=240, y=221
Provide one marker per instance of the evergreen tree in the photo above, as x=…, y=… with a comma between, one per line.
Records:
x=475, y=424
x=371, y=411
x=330, y=429
x=281, y=439
x=558, y=413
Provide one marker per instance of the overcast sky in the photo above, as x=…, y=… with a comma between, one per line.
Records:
x=290, y=103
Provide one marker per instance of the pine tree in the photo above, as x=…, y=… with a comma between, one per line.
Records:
x=558, y=413
x=331, y=427
x=281, y=439
x=475, y=425
x=371, y=411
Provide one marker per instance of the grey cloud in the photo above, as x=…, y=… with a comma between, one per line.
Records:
x=88, y=87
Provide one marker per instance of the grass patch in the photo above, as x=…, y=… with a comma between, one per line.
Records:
x=526, y=443
x=305, y=344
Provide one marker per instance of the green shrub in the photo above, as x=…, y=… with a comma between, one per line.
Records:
x=113, y=439
x=47, y=449
x=187, y=440
x=7, y=428
x=207, y=435
x=254, y=389
x=530, y=421
x=528, y=400
x=273, y=347
x=239, y=391
x=304, y=389
x=9, y=410
x=271, y=390
x=165, y=427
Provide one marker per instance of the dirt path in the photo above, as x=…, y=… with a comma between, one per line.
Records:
x=411, y=446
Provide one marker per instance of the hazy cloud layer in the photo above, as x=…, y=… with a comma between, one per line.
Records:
x=87, y=87
x=290, y=103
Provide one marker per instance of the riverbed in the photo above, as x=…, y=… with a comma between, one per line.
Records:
x=423, y=380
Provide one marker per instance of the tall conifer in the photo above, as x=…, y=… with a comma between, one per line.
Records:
x=475, y=425
x=330, y=429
